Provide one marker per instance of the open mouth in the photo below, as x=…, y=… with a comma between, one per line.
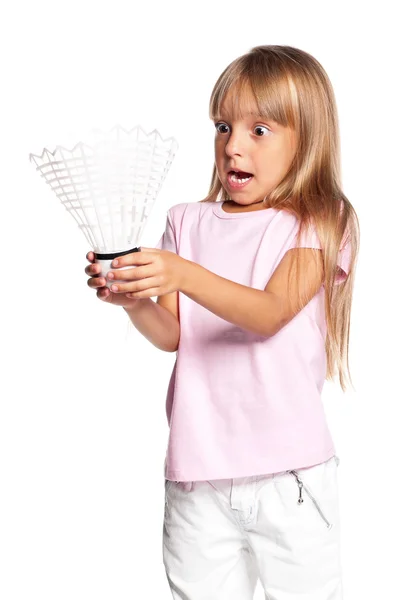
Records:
x=238, y=178
x=240, y=174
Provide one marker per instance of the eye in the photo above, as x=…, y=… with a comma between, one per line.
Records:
x=262, y=127
x=221, y=125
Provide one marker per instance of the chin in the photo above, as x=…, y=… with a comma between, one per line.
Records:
x=244, y=201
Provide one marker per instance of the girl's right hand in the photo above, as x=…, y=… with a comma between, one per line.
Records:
x=98, y=282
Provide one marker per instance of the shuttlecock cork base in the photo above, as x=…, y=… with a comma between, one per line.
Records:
x=105, y=261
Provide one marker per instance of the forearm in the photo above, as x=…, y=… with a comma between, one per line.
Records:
x=254, y=310
x=156, y=323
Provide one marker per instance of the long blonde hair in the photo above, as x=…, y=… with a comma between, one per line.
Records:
x=292, y=88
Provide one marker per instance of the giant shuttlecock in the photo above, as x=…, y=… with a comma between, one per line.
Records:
x=109, y=186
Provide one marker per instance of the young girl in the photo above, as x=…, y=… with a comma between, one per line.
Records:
x=254, y=287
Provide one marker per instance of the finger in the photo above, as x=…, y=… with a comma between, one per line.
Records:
x=144, y=294
x=93, y=269
x=149, y=249
x=90, y=256
x=131, y=274
x=103, y=293
x=134, y=258
x=135, y=286
x=96, y=282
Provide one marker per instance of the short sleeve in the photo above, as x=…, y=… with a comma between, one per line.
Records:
x=310, y=239
x=344, y=262
x=168, y=239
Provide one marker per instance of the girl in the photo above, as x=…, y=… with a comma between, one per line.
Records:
x=254, y=287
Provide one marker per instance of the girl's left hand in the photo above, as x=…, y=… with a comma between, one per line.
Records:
x=158, y=272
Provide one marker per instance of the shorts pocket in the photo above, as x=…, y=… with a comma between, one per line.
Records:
x=167, y=485
x=304, y=491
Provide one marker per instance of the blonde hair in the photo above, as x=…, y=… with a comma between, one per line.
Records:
x=292, y=88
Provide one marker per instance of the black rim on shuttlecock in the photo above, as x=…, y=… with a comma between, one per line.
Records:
x=112, y=255
x=109, y=184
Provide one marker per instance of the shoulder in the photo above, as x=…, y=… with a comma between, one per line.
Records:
x=178, y=209
x=310, y=232
x=284, y=230
x=183, y=210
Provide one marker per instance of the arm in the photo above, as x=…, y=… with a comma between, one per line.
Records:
x=263, y=312
x=156, y=323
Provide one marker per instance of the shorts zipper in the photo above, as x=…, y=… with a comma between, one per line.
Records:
x=301, y=499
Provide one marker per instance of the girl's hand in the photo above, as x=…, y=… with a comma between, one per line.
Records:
x=98, y=282
x=156, y=273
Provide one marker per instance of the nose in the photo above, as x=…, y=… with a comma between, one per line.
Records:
x=235, y=143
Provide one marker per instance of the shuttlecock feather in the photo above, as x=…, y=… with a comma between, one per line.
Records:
x=109, y=186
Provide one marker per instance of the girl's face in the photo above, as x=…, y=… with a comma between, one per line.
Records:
x=259, y=147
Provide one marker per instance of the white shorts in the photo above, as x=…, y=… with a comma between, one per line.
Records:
x=221, y=536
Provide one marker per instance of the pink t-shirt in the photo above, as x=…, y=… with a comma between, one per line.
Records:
x=241, y=404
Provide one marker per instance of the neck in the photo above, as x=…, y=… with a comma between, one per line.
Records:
x=235, y=207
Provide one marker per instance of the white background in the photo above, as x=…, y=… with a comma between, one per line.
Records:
x=83, y=430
